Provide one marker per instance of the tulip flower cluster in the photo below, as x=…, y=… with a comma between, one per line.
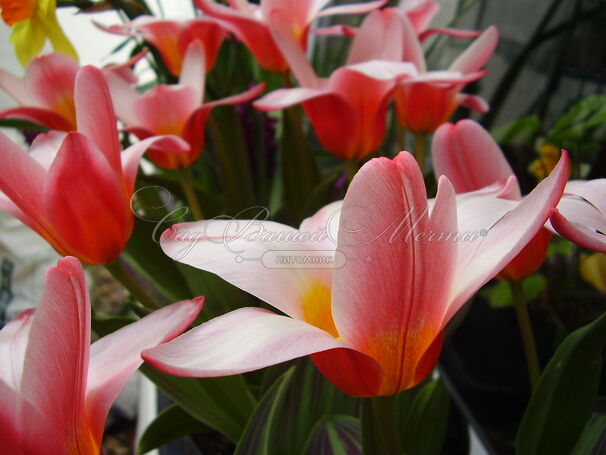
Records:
x=368, y=286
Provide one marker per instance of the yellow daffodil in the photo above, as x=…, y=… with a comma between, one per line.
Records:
x=33, y=21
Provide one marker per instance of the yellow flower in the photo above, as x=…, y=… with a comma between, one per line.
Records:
x=33, y=21
x=548, y=158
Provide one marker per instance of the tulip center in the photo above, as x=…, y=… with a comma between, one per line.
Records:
x=14, y=11
x=317, y=310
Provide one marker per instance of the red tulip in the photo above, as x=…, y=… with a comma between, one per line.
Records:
x=249, y=22
x=367, y=286
x=172, y=109
x=55, y=388
x=172, y=38
x=75, y=190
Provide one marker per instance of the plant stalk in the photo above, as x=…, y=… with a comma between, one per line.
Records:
x=120, y=272
x=420, y=150
x=380, y=435
x=190, y=194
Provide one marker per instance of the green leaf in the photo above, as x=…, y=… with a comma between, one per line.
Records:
x=21, y=125
x=224, y=404
x=170, y=424
x=289, y=410
x=424, y=428
x=593, y=438
x=578, y=120
x=562, y=402
x=335, y=435
x=521, y=131
x=499, y=295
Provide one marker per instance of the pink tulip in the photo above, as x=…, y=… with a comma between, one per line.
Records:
x=55, y=388
x=421, y=12
x=249, y=22
x=46, y=95
x=172, y=109
x=471, y=159
x=370, y=309
x=172, y=38
x=75, y=190
x=423, y=106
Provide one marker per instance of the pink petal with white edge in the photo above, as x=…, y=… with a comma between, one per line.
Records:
x=243, y=97
x=286, y=97
x=379, y=38
x=480, y=51
x=452, y=32
x=387, y=300
x=326, y=219
x=166, y=108
x=470, y=158
x=593, y=191
x=115, y=357
x=243, y=253
x=380, y=70
x=193, y=71
x=243, y=340
x=413, y=52
x=54, y=374
x=474, y=102
x=131, y=157
x=95, y=114
x=124, y=97
x=420, y=15
x=40, y=116
x=352, y=8
x=45, y=147
x=15, y=87
x=14, y=337
x=506, y=238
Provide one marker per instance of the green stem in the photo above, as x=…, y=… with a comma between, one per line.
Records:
x=119, y=272
x=190, y=194
x=530, y=349
x=420, y=150
x=401, y=136
x=380, y=435
x=351, y=168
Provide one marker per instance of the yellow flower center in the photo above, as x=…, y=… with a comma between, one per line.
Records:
x=317, y=310
x=14, y=11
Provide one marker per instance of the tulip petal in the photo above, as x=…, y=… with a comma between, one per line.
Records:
x=470, y=158
x=243, y=340
x=244, y=253
x=413, y=52
x=45, y=147
x=386, y=300
x=15, y=87
x=115, y=357
x=124, y=97
x=193, y=71
x=95, y=114
x=452, y=32
x=54, y=374
x=482, y=259
x=14, y=337
x=593, y=191
x=379, y=38
x=166, y=108
x=352, y=8
x=95, y=228
x=480, y=51
x=326, y=219
x=40, y=116
x=286, y=97
x=240, y=98
x=580, y=222
x=421, y=15
x=474, y=102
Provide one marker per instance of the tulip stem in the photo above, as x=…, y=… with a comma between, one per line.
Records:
x=401, y=137
x=420, y=149
x=351, y=168
x=119, y=271
x=530, y=349
x=190, y=194
x=380, y=435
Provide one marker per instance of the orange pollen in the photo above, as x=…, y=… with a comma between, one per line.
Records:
x=14, y=11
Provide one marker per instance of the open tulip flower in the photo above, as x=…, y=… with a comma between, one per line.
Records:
x=46, y=94
x=471, y=159
x=172, y=109
x=422, y=106
x=172, y=38
x=249, y=22
x=374, y=321
x=75, y=190
x=55, y=388
x=33, y=21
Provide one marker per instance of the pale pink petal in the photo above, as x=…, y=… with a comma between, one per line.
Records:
x=324, y=220
x=244, y=340
x=421, y=15
x=336, y=30
x=248, y=254
x=193, y=71
x=132, y=155
x=124, y=70
x=54, y=374
x=413, y=52
x=447, y=77
x=14, y=337
x=470, y=158
x=503, y=240
x=380, y=70
x=95, y=114
x=453, y=32
x=593, y=191
x=352, y=8
x=50, y=80
x=474, y=102
x=166, y=108
x=380, y=37
x=389, y=298
x=124, y=98
x=291, y=49
x=243, y=97
x=115, y=357
x=15, y=87
x=286, y=97
x=45, y=147
x=480, y=51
